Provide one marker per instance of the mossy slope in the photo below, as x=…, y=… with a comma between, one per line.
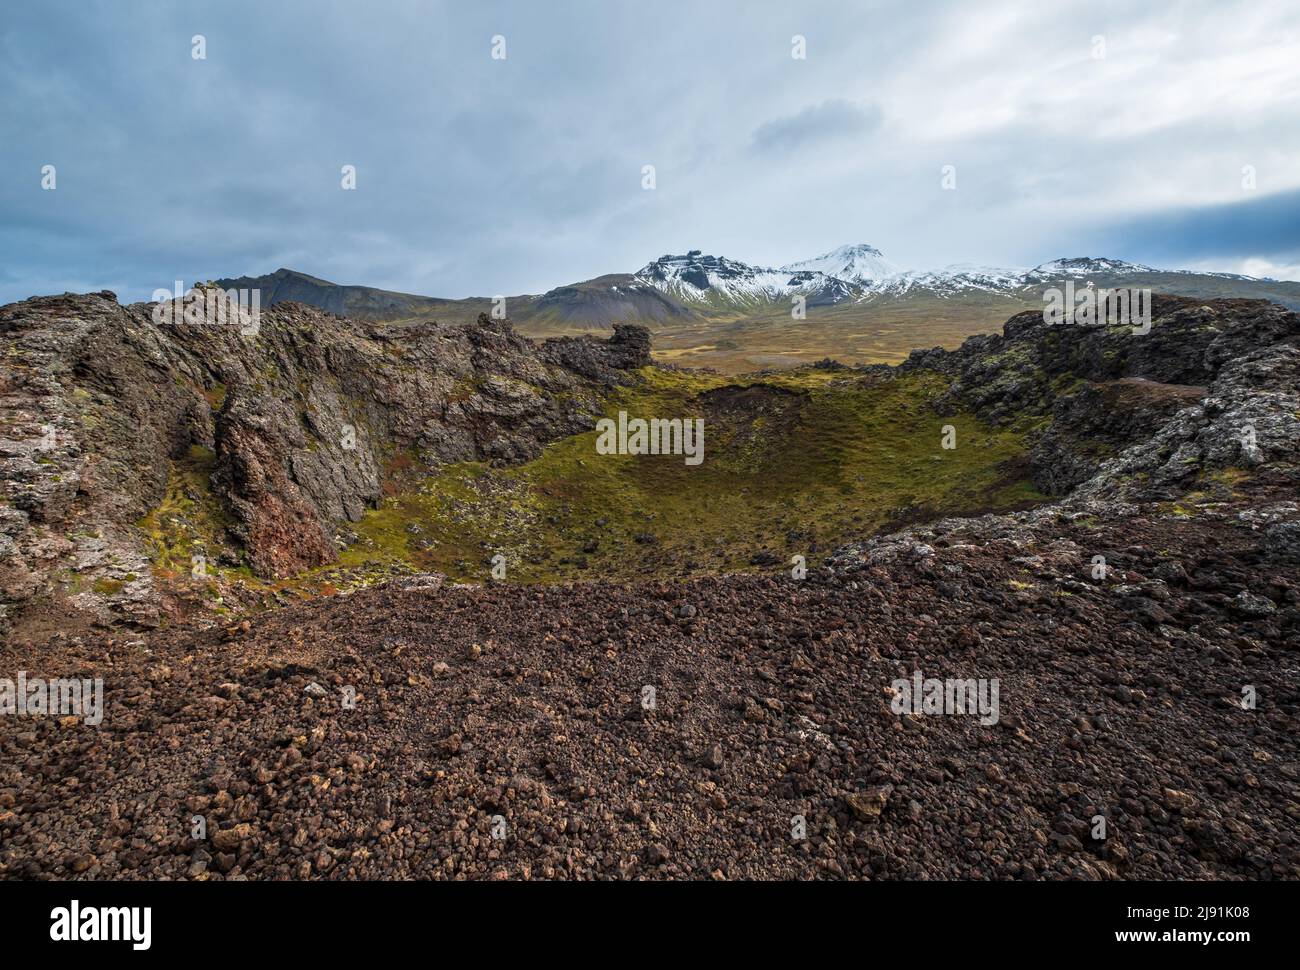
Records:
x=794, y=464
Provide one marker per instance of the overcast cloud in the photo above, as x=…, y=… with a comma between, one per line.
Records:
x=478, y=176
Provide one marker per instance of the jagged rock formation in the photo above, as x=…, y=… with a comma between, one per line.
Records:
x=300, y=419
x=1199, y=421
x=1139, y=415
x=1091, y=422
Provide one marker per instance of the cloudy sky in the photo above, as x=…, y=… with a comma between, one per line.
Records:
x=1161, y=132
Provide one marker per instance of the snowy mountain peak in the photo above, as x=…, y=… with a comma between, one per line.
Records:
x=858, y=273
x=858, y=263
x=697, y=276
x=951, y=280
x=696, y=269
x=1083, y=265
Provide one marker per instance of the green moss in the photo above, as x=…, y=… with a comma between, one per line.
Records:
x=834, y=459
x=464, y=389
x=1228, y=478
x=1213, y=485
x=189, y=519
x=216, y=396
x=73, y=582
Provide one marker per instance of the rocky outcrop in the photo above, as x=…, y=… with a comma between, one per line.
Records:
x=302, y=416
x=1095, y=420
x=1199, y=428
x=1249, y=420
x=1120, y=413
x=628, y=348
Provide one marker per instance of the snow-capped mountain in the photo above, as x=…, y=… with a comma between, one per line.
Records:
x=1082, y=267
x=697, y=276
x=863, y=274
x=674, y=291
x=700, y=278
x=951, y=280
x=855, y=273
x=861, y=264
